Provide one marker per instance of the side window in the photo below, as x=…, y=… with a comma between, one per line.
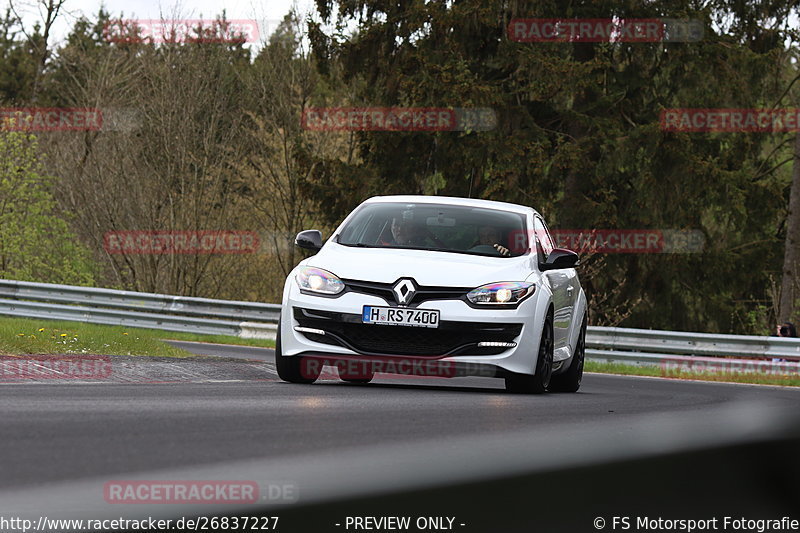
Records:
x=544, y=244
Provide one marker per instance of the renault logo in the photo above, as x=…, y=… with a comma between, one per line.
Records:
x=404, y=290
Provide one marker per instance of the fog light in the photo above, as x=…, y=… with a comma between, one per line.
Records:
x=301, y=329
x=496, y=344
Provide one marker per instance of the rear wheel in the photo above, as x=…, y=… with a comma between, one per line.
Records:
x=294, y=369
x=570, y=381
x=539, y=381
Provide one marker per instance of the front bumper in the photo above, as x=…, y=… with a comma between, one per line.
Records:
x=467, y=339
x=450, y=338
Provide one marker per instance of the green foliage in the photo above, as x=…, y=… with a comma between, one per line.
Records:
x=36, y=243
x=789, y=379
x=20, y=336
x=578, y=135
x=17, y=61
x=219, y=143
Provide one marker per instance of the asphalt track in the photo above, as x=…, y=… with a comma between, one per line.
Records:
x=198, y=416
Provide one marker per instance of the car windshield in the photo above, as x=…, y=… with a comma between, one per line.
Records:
x=444, y=228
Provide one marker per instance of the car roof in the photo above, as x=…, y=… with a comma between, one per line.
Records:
x=453, y=200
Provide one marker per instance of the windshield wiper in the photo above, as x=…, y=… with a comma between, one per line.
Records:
x=359, y=245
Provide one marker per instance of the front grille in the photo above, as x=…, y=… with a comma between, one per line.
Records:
x=423, y=294
x=450, y=338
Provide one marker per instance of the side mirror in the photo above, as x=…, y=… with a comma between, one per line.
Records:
x=560, y=258
x=309, y=240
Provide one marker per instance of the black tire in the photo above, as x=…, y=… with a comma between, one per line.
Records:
x=294, y=369
x=570, y=380
x=540, y=380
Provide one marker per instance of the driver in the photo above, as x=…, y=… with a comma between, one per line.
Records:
x=406, y=233
x=490, y=236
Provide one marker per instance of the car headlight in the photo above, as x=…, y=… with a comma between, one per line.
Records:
x=318, y=281
x=503, y=293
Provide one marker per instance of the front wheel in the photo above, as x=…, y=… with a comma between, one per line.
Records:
x=570, y=381
x=540, y=380
x=294, y=369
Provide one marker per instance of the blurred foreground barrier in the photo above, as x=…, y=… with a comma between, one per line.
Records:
x=732, y=466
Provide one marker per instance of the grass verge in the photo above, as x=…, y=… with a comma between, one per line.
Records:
x=19, y=336
x=217, y=339
x=785, y=380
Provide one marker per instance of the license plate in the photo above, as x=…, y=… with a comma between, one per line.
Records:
x=397, y=316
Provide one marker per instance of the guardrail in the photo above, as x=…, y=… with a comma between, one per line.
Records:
x=645, y=347
x=259, y=320
x=138, y=309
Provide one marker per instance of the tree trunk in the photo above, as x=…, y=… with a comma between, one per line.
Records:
x=790, y=253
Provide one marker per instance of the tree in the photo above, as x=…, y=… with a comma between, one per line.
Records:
x=49, y=11
x=36, y=243
x=18, y=65
x=790, y=275
x=170, y=173
x=579, y=136
x=282, y=156
x=791, y=256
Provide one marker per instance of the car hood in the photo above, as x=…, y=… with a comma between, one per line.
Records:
x=438, y=269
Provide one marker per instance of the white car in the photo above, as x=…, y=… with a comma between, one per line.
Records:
x=435, y=286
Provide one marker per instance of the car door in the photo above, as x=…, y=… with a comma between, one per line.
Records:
x=563, y=283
